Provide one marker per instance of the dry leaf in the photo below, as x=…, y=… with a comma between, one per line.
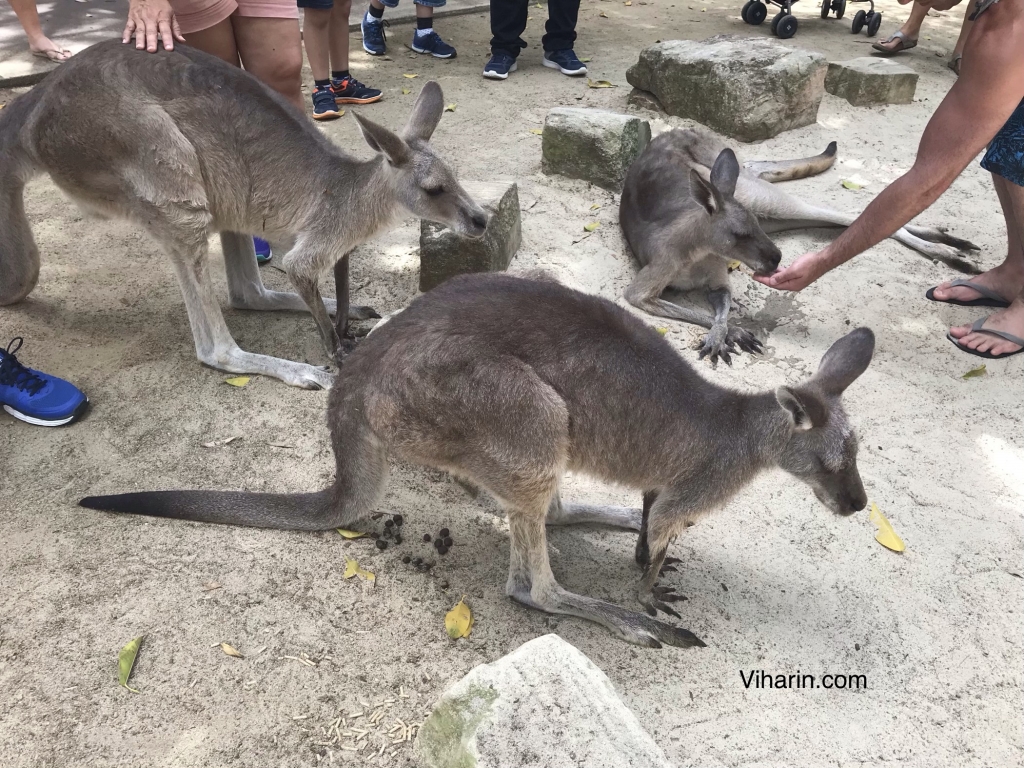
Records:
x=591, y=226
x=459, y=620
x=628, y=2
x=409, y=75
x=125, y=662
x=211, y=585
x=886, y=536
x=595, y=206
x=350, y=535
x=281, y=445
x=406, y=91
x=237, y=381
x=733, y=265
x=847, y=184
x=662, y=331
x=352, y=569
x=585, y=60
x=225, y=441
x=600, y=84
x=603, y=15
x=451, y=107
x=230, y=650
x=976, y=372
x=537, y=131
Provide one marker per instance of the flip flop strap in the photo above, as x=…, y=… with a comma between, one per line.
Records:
x=986, y=292
x=977, y=328
x=901, y=35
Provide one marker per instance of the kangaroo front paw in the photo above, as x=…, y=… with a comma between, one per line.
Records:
x=657, y=600
x=717, y=345
x=745, y=340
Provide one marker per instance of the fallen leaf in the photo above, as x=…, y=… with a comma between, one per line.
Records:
x=847, y=184
x=350, y=535
x=211, y=585
x=662, y=331
x=537, y=131
x=591, y=226
x=600, y=84
x=352, y=569
x=225, y=441
x=628, y=2
x=451, y=107
x=976, y=372
x=603, y=15
x=585, y=60
x=406, y=91
x=459, y=620
x=341, y=112
x=733, y=265
x=410, y=75
x=595, y=206
x=237, y=381
x=886, y=536
x=281, y=445
x=125, y=662
x=230, y=650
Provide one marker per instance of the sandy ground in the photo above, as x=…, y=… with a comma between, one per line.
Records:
x=775, y=582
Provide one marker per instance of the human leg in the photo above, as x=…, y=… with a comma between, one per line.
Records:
x=906, y=37
x=38, y=43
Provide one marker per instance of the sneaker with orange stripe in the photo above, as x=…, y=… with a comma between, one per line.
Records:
x=348, y=90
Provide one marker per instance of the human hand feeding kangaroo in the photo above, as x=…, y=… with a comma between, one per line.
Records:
x=579, y=384
x=186, y=146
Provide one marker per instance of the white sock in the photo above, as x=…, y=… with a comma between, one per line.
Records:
x=421, y=32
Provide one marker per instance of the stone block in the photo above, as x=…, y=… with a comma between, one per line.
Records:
x=592, y=144
x=869, y=80
x=747, y=88
x=444, y=254
x=644, y=100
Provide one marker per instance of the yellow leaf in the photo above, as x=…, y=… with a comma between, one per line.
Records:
x=409, y=75
x=847, y=184
x=662, y=331
x=585, y=60
x=595, y=206
x=537, y=131
x=600, y=84
x=459, y=620
x=451, y=107
x=628, y=2
x=237, y=381
x=350, y=534
x=733, y=265
x=352, y=569
x=230, y=650
x=976, y=372
x=125, y=662
x=406, y=91
x=341, y=112
x=538, y=5
x=591, y=226
x=886, y=536
x=603, y=15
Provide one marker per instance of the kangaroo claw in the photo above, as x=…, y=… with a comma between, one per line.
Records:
x=668, y=594
x=671, y=560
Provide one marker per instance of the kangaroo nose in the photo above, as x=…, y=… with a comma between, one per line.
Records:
x=479, y=220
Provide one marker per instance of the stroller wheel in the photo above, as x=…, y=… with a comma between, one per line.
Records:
x=746, y=9
x=858, y=22
x=826, y=6
x=840, y=8
x=756, y=13
x=775, y=22
x=874, y=23
x=786, y=26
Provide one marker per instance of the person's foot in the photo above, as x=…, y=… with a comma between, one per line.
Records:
x=325, y=106
x=45, y=48
x=348, y=90
x=1010, y=321
x=374, y=39
x=35, y=397
x=501, y=63
x=263, y=252
x=431, y=42
x=565, y=61
x=1004, y=281
x=897, y=42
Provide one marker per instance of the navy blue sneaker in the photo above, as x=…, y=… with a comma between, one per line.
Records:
x=565, y=61
x=348, y=90
x=501, y=63
x=325, y=107
x=432, y=43
x=263, y=252
x=37, y=397
x=375, y=42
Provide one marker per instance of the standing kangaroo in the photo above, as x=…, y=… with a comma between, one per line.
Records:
x=187, y=145
x=581, y=384
x=688, y=209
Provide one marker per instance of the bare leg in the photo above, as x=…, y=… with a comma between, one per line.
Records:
x=316, y=22
x=27, y=14
x=911, y=29
x=271, y=49
x=338, y=35
x=218, y=40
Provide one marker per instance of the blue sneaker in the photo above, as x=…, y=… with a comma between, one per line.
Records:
x=564, y=61
x=35, y=397
x=348, y=90
x=501, y=63
x=325, y=107
x=263, y=252
x=432, y=43
x=375, y=42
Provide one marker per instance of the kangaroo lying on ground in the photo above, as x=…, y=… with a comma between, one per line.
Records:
x=581, y=385
x=187, y=145
x=688, y=209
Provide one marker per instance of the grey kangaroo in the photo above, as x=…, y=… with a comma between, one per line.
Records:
x=186, y=146
x=688, y=209
x=581, y=384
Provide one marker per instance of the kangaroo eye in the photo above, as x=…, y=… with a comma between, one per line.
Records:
x=434, y=191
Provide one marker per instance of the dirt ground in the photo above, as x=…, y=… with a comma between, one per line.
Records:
x=774, y=581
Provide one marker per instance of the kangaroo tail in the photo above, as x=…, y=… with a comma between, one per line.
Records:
x=284, y=511
x=787, y=170
x=19, y=257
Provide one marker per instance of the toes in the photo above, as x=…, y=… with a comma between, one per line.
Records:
x=666, y=609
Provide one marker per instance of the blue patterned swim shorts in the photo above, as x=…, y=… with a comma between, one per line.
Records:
x=1005, y=156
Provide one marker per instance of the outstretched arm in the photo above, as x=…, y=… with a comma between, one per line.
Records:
x=990, y=87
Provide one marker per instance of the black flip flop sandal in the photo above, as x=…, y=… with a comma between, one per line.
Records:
x=991, y=298
x=977, y=328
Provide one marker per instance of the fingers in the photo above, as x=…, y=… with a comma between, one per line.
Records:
x=176, y=28
x=129, y=30
x=151, y=33
x=165, y=34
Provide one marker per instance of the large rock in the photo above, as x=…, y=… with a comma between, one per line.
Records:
x=592, y=144
x=869, y=80
x=543, y=706
x=747, y=88
x=444, y=254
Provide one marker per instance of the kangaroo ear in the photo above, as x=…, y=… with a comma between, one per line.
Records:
x=845, y=360
x=384, y=141
x=725, y=172
x=703, y=193
x=426, y=113
x=805, y=409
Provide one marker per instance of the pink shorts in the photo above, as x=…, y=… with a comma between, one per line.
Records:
x=197, y=15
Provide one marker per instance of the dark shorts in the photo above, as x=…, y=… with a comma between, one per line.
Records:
x=1005, y=156
x=320, y=5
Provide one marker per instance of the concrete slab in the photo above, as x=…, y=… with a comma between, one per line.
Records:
x=77, y=24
